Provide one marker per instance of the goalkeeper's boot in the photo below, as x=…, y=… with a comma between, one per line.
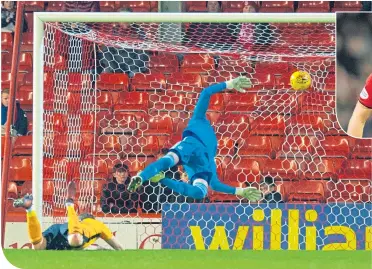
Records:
x=71, y=192
x=252, y=194
x=135, y=183
x=24, y=202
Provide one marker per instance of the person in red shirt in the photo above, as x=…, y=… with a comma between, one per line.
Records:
x=362, y=111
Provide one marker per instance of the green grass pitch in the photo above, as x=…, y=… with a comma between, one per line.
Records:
x=188, y=259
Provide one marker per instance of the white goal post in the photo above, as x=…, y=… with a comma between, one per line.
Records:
x=40, y=18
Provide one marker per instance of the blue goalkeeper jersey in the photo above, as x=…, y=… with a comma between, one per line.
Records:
x=198, y=126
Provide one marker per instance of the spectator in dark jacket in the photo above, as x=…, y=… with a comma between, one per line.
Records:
x=8, y=17
x=115, y=196
x=20, y=126
x=80, y=6
x=270, y=195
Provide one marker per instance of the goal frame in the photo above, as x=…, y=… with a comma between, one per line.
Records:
x=40, y=18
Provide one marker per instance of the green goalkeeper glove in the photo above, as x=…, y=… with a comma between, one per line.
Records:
x=239, y=83
x=158, y=177
x=252, y=194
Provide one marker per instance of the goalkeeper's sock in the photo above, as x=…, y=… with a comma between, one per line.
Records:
x=164, y=163
x=33, y=227
x=199, y=191
x=73, y=222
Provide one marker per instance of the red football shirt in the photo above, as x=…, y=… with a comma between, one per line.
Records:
x=365, y=97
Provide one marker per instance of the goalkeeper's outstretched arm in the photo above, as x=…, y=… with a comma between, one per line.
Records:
x=205, y=96
x=358, y=120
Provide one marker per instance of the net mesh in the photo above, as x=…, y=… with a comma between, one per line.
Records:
x=122, y=94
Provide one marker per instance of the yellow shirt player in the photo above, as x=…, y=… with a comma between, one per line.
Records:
x=75, y=234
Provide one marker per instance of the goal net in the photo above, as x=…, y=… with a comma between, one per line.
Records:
x=118, y=95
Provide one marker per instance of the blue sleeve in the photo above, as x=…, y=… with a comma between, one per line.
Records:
x=204, y=98
x=217, y=185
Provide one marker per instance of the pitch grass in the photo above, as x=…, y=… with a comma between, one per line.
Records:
x=188, y=259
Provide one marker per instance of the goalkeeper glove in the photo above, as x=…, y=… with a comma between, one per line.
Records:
x=239, y=83
x=157, y=177
x=252, y=194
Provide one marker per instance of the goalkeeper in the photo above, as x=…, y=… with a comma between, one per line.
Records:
x=78, y=233
x=196, y=153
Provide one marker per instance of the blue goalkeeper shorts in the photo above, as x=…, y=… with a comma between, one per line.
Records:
x=194, y=158
x=56, y=237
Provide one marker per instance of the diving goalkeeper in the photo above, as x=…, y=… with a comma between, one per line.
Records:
x=78, y=233
x=362, y=111
x=196, y=153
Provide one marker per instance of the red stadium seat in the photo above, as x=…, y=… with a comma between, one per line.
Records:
x=20, y=169
x=164, y=63
x=137, y=6
x=355, y=169
x=25, y=188
x=158, y=125
x=25, y=62
x=281, y=103
x=318, y=169
x=272, y=68
x=104, y=100
x=58, y=62
x=347, y=6
x=59, y=123
x=132, y=101
x=170, y=101
x=217, y=103
x=306, y=191
x=313, y=6
x=34, y=6
x=190, y=82
x=277, y=6
x=361, y=149
x=283, y=169
x=113, y=82
x=29, y=17
x=332, y=127
x=12, y=190
x=243, y=170
x=72, y=145
x=305, y=125
x=6, y=78
x=23, y=145
x=54, y=6
x=196, y=6
x=318, y=102
x=241, y=103
x=225, y=146
x=79, y=82
x=107, y=6
x=234, y=64
x=27, y=42
x=351, y=191
x=297, y=147
x=148, y=82
x=51, y=166
x=233, y=6
x=214, y=77
x=256, y=146
x=108, y=144
x=25, y=99
x=6, y=62
x=270, y=125
x=6, y=42
x=197, y=63
x=233, y=125
x=142, y=146
x=263, y=81
x=121, y=123
x=334, y=146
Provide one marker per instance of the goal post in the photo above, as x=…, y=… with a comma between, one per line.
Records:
x=171, y=99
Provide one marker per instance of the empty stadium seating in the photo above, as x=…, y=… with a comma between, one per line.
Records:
x=113, y=82
x=242, y=170
x=259, y=146
x=148, y=82
x=306, y=191
x=347, y=6
x=196, y=6
x=6, y=42
x=277, y=6
x=23, y=145
x=197, y=63
x=313, y=6
x=20, y=168
x=164, y=63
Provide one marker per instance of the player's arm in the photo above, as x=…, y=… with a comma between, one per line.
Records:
x=358, y=120
x=203, y=102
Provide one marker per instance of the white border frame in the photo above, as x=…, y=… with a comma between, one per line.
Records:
x=41, y=17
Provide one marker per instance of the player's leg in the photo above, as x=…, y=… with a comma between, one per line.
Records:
x=164, y=163
x=33, y=224
x=75, y=231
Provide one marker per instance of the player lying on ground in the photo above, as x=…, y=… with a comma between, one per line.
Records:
x=196, y=153
x=362, y=111
x=75, y=234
